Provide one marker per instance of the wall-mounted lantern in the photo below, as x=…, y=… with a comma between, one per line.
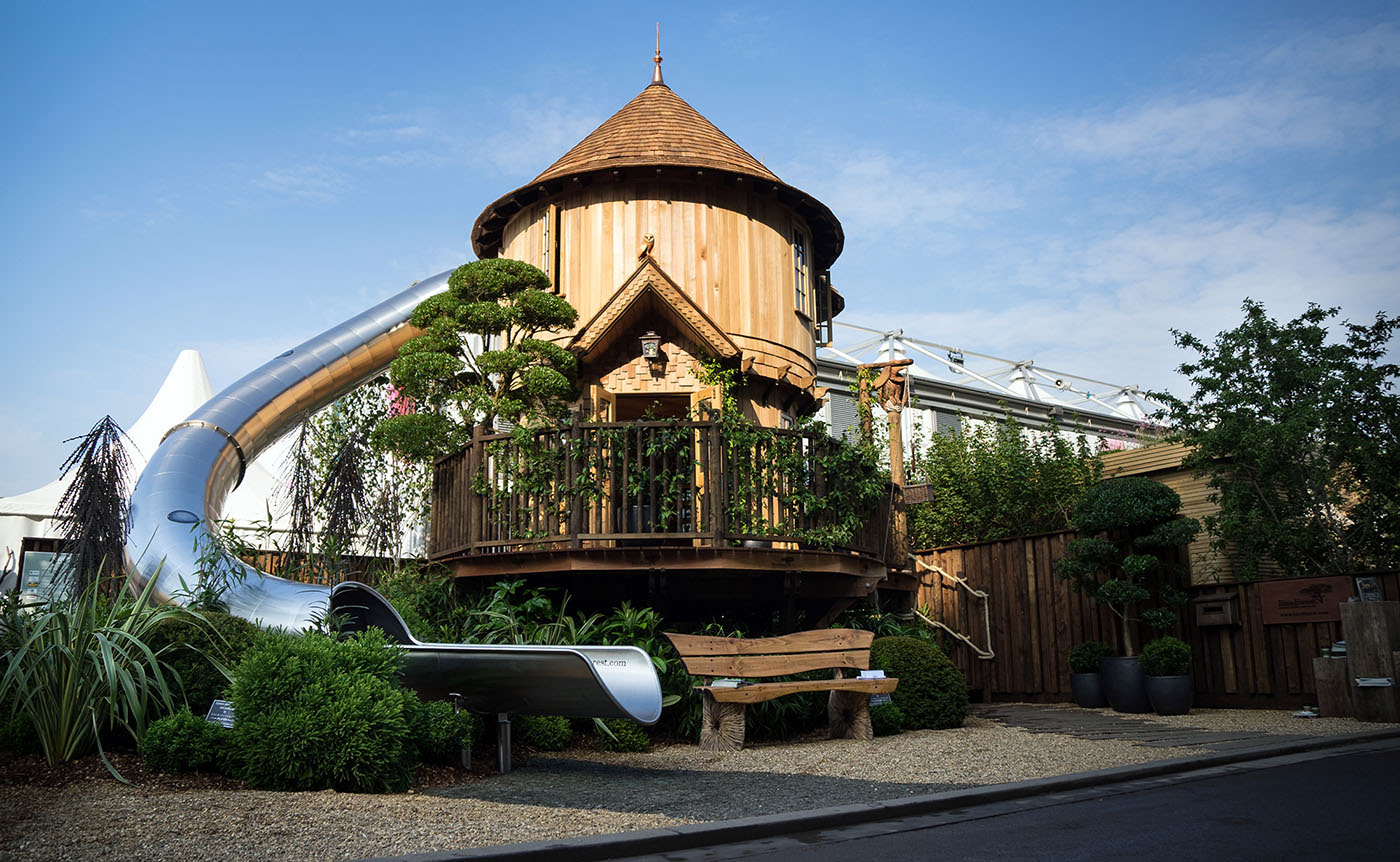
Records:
x=651, y=352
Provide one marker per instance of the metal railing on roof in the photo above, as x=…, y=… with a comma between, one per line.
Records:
x=1016, y=378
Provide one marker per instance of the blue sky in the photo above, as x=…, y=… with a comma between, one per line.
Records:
x=1062, y=182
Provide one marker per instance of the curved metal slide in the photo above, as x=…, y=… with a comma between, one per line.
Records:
x=202, y=459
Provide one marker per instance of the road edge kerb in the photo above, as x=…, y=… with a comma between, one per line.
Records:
x=597, y=848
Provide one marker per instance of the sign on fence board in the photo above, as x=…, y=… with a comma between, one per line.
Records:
x=1303, y=600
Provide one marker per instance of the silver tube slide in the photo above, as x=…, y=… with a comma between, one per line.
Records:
x=201, y=460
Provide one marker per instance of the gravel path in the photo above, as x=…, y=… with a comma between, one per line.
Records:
x=578, y=793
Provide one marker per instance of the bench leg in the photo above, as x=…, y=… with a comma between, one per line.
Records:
x=721, y=725
x=848, y=715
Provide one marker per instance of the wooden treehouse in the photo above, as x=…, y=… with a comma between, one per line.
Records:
x=677, y=248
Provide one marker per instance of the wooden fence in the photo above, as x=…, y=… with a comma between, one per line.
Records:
x=1035, y=618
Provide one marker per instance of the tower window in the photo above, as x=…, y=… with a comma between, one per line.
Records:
x=823, y=319
x=549, y=246
x=802, y=289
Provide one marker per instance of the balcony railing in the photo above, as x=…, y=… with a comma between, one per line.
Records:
x=686, y=483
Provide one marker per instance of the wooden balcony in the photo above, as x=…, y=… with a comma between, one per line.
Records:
x=684, y=511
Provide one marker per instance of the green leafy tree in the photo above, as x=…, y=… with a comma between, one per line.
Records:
x=996, y=480
x=480, y=357
x=1297, y=432
x=1131, y=525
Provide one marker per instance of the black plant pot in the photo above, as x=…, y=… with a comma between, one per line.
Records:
x=1122, y=681
x=1170, y=695
x=1087, y=690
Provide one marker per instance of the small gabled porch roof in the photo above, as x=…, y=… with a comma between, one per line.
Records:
x=649, y=290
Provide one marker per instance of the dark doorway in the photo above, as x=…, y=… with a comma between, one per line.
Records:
x=630, y=408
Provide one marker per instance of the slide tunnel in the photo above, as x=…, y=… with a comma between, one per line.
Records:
x=201, y=460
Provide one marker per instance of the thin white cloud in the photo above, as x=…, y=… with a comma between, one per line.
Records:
x=1376, y=48
x=1222, y=127
x=1102, y=309
x=876, y=191
x=102, y=209
x=1309, y=92
x=534, y=131
x=309, y=182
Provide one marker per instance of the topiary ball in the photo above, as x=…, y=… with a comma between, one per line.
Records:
x=630, y=736
x=441, y=732
x=182, y=742
x=1129, y=502
x=931, y=691
x=1166, y=656
x=543, y=732
x=1084, y=657
x=886, y=719
x=312, y=712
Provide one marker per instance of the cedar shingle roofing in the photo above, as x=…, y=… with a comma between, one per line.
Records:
x=657, y=130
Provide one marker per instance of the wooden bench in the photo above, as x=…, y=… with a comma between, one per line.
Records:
x=841, y=650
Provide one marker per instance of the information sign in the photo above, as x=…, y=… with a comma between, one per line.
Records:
x=1303, y=600
x=220, y=713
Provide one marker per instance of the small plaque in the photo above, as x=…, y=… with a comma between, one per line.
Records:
x=1368, y=589
x=1303, y=600
x=876, y=699
x=1374, y=682
x=220, y=713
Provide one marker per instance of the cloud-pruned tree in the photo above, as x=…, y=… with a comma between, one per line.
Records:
x=479, y=358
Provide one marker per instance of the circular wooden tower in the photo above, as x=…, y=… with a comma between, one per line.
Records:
x=676, y=246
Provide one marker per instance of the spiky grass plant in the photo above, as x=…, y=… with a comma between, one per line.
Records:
x=82, y=668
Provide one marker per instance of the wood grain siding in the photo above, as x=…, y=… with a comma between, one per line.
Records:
x=728, y=248
x=1036, y=618
x=1161, y=462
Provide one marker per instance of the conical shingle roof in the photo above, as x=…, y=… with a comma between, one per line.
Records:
x=657, y=130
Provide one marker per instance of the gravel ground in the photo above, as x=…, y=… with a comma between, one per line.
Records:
x=578, y=793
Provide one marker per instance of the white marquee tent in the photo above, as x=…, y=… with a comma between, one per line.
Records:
x=185, y=389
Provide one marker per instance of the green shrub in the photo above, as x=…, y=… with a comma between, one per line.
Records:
x=81, y=669
x=630, y=736
x=313, y=712
x=1129, y=502
x=188, y=647
x=17, y=733
x=182, y=742
x=931, y=691
x=886, y=719
x=1166, y=656
x=1084, y=657
x=543, y=732
x=441, y=732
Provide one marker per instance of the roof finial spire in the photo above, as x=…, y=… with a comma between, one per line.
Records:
x=656, y=75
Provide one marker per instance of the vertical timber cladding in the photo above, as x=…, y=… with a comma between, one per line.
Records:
x=1252, y=664
x=728, y=248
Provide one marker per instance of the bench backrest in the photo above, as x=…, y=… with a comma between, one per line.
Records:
x=777, y=656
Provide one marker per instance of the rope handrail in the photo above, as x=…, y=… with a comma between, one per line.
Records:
x=985, y=654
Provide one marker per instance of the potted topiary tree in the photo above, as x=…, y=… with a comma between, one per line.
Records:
x=1129, y=525
x=1167, y=663
x=1084, y=682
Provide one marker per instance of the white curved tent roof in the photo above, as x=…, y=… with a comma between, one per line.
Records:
x=185, y=389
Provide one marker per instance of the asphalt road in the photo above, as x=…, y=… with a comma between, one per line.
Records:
x=1334, y=805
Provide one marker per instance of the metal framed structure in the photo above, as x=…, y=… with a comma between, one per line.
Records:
x=955, y=384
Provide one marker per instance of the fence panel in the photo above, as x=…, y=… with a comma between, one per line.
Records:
x=1036, y=619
